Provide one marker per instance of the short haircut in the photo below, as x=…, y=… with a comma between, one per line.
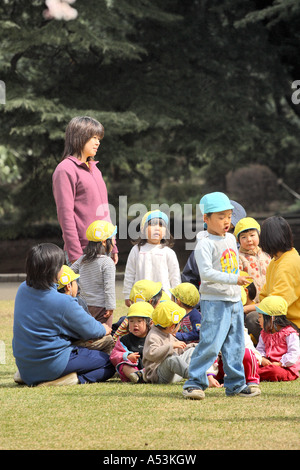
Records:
x=276, y=235
x=78, y=132
x=43, y=264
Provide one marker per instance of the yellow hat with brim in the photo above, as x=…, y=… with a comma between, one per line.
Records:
x=167, y=313
x=144, y=290
x=67, y=276
x=140, y=309
x=273, y=305
x=244, y=295
x=187, y=293
x=245, y=274
x=247, y=223
x=100, y=230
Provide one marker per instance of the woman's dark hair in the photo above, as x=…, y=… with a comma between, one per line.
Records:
x=280, y=321
x=43, y=264
x=276, y=235
x=93, y=249
x=78, y=132
x=167, y=241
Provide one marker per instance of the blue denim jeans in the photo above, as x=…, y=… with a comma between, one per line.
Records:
x=91, y=365
x=222, y=329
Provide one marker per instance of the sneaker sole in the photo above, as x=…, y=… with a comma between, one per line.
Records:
x=254, y=393
x=70, y=379
x=194, y=395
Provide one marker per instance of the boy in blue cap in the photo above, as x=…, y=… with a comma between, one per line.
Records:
x=222, y=327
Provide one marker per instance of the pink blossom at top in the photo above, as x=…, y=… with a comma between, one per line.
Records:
x=60, y=10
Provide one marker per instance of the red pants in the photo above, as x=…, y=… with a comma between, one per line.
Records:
x=274, y=373
x=250, y=367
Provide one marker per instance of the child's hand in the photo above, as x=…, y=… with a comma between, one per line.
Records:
x=133, y=357
x=107, y=328
x=128, y=302
x=179, y=345
x=265, y=361
x=108, y=313
x=243, y=280
x=213, y=382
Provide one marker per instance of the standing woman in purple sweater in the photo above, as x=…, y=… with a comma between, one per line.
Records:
x=79, y=190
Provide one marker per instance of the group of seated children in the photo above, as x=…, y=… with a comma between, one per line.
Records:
x=158, y=338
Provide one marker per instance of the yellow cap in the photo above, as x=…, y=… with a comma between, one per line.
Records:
x=187, y=293
x=67, y=276
x=247, y=223
x=144, y=290
x=244, y=295
x=274, y=305
x=140, y=309
x=100, y=230
x=167, y=313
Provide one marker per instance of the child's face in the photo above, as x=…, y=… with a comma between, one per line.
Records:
x=218, y=223
x=249, y=240
x=155, y=233
x=137, y=326
x=91, y=147
x=74, y=289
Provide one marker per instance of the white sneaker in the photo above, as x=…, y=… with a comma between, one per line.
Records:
x=70, y=379
x=18, y=378
x=193, y=393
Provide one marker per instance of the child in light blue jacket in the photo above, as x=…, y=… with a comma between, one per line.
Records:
x=222, y=327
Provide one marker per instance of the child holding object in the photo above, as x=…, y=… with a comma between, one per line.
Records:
x=67, y=284
x=278, y=342
x=222, y=327
x=166, y=359
x=98, y=271
x=127, y=355
x=152, y=257
x=186, y=295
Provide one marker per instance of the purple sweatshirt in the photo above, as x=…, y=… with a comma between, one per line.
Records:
x=81, y=197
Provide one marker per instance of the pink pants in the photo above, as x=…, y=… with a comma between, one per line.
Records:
x=250, y=367
x=274, y=373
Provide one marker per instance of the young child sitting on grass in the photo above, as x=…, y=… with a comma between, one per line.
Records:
x=278, y=342
x=144, y=290
x=127, y=355
x=166, y=360
x=187, y=296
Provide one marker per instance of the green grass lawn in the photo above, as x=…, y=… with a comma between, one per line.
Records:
x=123, y=416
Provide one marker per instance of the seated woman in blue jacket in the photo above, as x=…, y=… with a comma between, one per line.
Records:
x=44, y=322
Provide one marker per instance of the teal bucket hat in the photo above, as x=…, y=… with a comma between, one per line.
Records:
x=215, y=202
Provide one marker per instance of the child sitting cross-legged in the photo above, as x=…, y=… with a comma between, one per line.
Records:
x=187, y=296
x=166, y=360
x=278, y=342
x=127, y=355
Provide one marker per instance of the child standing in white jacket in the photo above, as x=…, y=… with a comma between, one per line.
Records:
x=152, y=258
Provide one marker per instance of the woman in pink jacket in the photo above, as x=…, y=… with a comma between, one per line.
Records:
x=79, y=190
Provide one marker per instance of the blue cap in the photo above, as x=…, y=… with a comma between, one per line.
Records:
x=238, y=213
x=215, y=202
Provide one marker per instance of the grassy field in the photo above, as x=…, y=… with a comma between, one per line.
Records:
x=121, y=416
